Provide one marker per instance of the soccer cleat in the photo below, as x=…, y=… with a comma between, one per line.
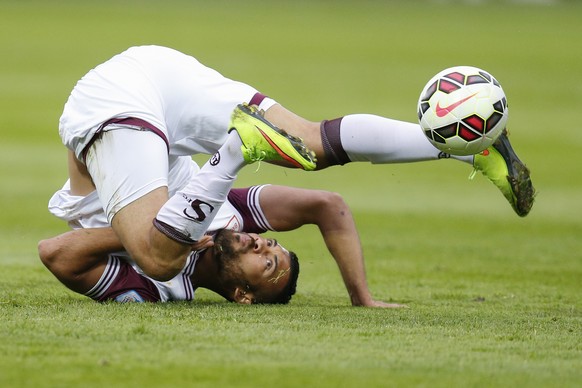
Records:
x=262, y=141
x=500, y=165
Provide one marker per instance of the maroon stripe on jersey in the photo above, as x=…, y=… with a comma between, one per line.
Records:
x=111, y=271
x=186, y=273
x=255, y=207
x=257, y=99
x=127, y=280
x=238, y=199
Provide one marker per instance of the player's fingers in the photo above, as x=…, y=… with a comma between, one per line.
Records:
x=203, y=243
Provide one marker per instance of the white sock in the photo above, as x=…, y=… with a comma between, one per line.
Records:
x=188, y=214
x=377, y=139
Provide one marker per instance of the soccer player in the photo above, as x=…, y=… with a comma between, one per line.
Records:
x=240, y=266
x=244, y=268
x=130, y=118
x=82, y=257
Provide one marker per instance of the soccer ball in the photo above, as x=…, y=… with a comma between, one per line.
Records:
x=462, y=110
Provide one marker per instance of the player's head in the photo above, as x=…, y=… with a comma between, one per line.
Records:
x=253, y=269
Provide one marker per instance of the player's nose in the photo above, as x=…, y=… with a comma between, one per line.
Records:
x=260, y=243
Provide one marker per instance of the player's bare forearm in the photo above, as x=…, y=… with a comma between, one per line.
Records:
x=77, y=258
x=290, y=208
x=339, y=232
x=83, y=243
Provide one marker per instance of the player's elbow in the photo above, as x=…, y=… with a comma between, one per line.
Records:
x=334, y=202
x=48, y=252
x=57, y=258
x=330, y=205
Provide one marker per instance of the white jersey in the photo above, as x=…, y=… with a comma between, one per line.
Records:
x=188, y=102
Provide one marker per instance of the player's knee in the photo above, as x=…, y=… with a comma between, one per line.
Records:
x=162, y=271
x=161, y=267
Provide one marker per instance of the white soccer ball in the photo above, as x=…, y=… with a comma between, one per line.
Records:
x=462, y=110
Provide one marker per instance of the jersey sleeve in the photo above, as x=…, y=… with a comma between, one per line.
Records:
x=246, y=202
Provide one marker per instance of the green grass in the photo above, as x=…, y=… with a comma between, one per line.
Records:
x=494, y=299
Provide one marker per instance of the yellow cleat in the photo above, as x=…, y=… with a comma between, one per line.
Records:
x=262, y=141
x=500, y=165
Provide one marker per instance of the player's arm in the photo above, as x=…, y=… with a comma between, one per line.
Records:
x=288, y=208
x=78, y=257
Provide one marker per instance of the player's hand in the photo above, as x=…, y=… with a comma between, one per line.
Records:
x=203, y=243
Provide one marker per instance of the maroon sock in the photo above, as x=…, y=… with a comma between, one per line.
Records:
x=331, y=141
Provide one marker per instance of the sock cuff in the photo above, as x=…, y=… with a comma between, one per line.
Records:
x=332, y=144
x=172, y=233
x=262, y=101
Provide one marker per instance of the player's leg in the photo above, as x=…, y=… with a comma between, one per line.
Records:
x=358, y=137
x=381, y=140
x=79, y=178
x=129, y=169
x=375, y=139
x=188, y=214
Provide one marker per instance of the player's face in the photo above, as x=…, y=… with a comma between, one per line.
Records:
x=263, y=262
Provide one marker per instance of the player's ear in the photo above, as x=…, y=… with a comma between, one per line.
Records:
x=242, y=296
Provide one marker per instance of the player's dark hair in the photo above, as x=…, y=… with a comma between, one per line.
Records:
x=236, y=278
x=288, y=291
x=285, y=296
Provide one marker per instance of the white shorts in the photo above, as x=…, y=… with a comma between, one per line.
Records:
x=126, y=164
x=181, y=101
x=189, y=104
